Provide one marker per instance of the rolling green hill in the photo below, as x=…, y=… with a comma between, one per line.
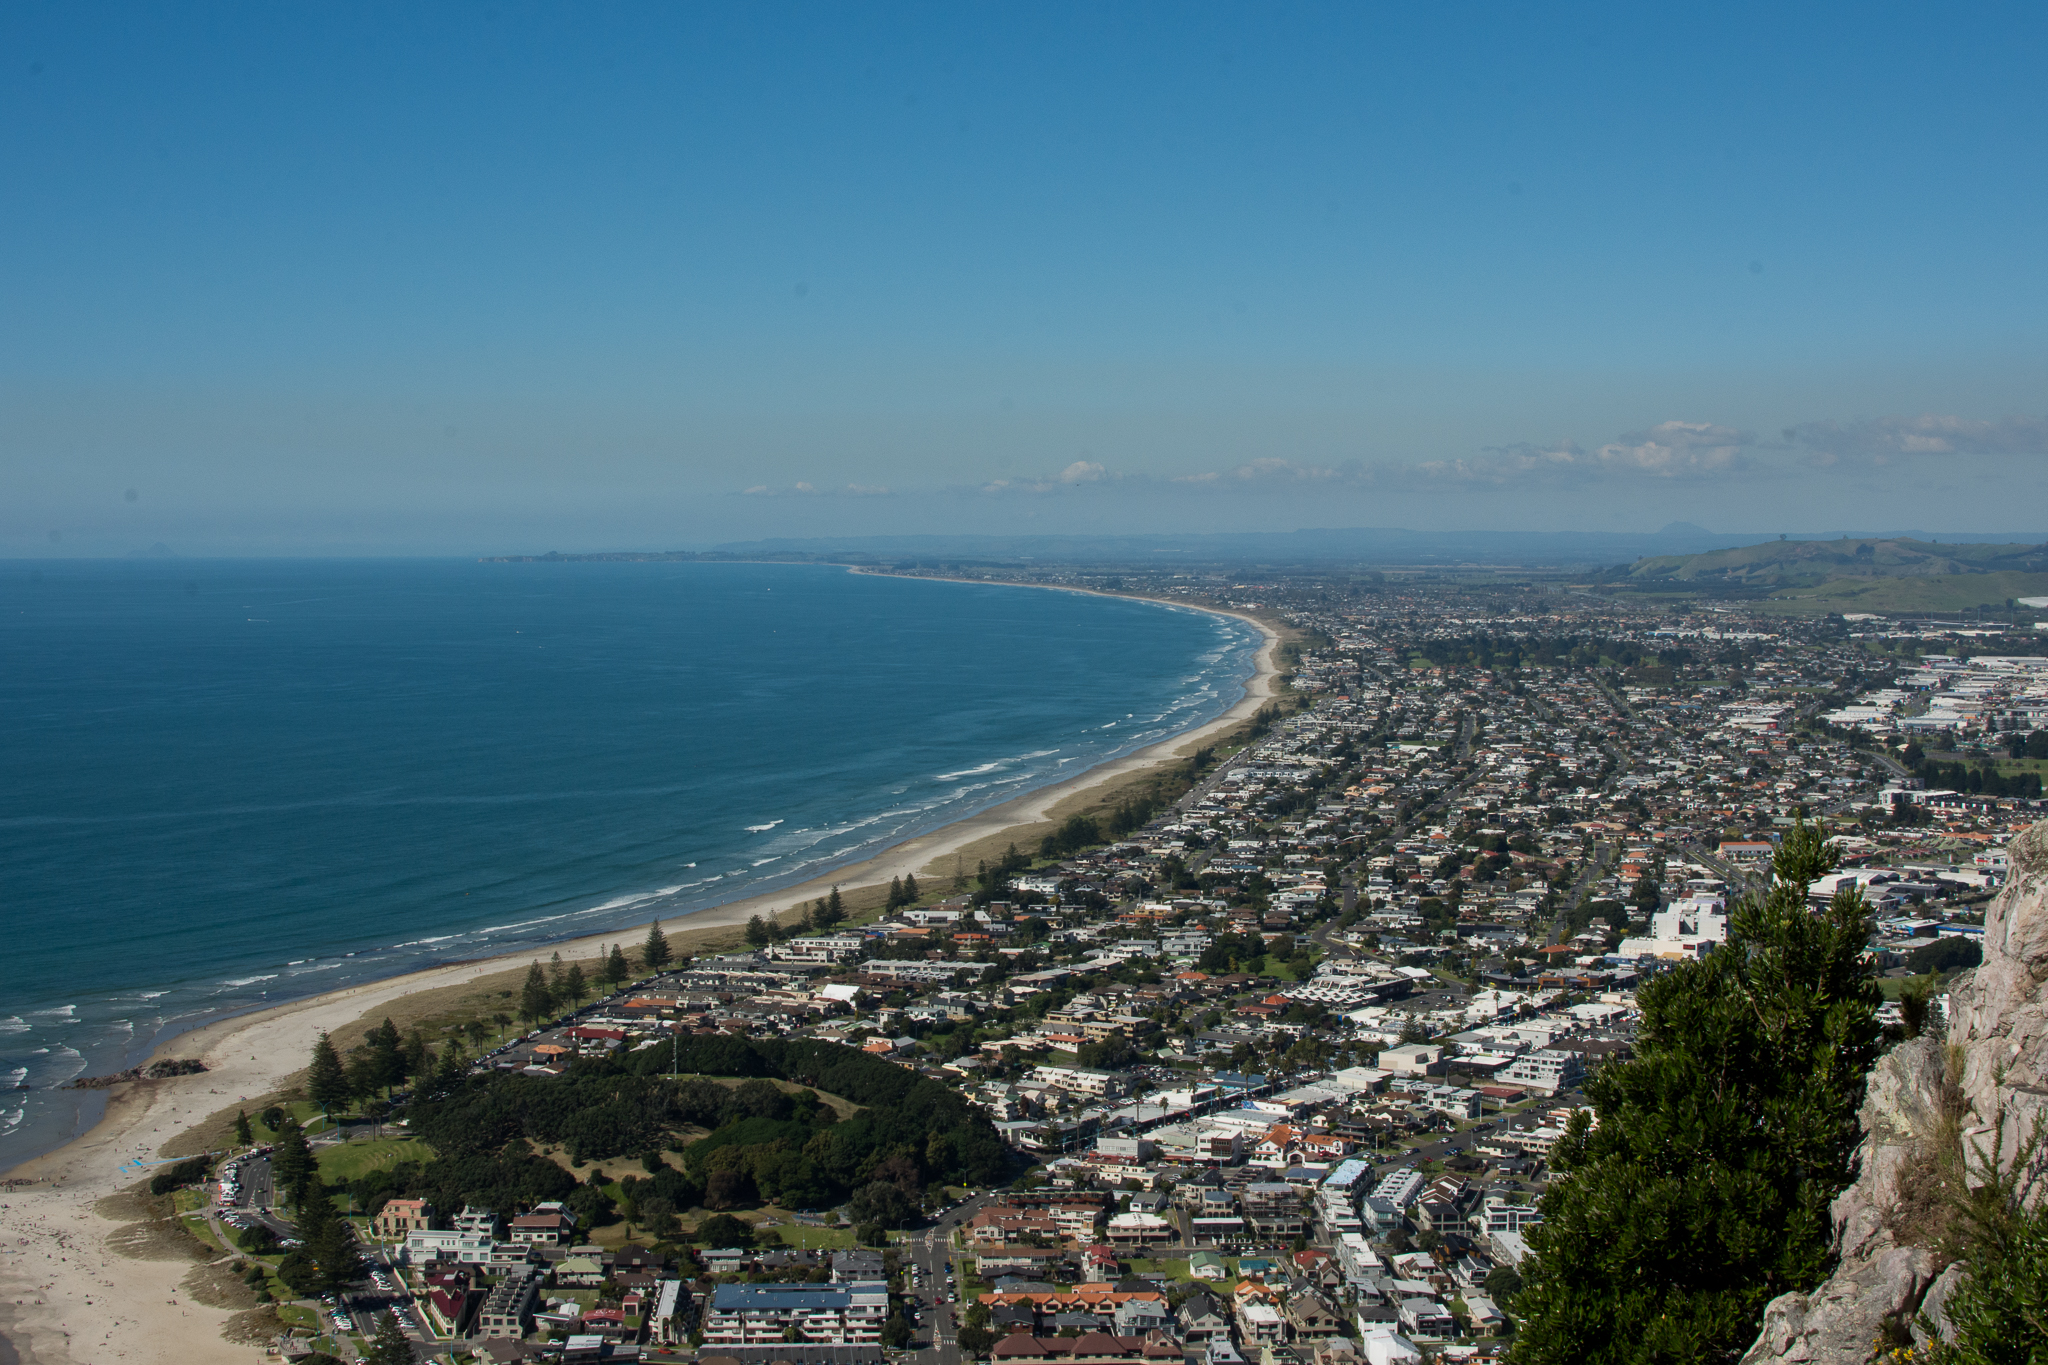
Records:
x=1811, y=564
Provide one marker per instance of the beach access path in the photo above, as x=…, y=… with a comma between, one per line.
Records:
x=69, y=1297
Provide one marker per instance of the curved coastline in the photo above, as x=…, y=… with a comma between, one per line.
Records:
x=61, y=1259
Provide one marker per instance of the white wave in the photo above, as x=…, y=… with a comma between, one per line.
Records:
x=763, y=829
x=763, y=862
x=13, y=1023
x=970, y=772
x=1110, y=726
x=60, y=1012
x=251, y=980
x=154, y=995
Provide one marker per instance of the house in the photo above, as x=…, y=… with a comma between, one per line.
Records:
x=1425, y=1319
x=1090, y=1348
x=1485, y=1315
x=543, y=1227
x=401, y=1216
x=1311, y=1317
x=1141, y=1230
x=1259, y=1323
x=579, y=1271
x=1002, y=1225
x=1201, y=1318
x=1207, y=1265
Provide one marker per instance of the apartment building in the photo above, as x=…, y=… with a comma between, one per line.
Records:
x=831, y=1315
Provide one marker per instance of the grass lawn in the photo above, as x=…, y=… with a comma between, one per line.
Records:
x=352, y=1160
x=814, y=1239
x=1895, y=986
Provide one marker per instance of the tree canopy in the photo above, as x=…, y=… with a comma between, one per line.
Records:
x=1702, y=1191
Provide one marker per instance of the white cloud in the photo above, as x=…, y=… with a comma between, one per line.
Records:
x=1927, y=434
x=808, y=490
x=1082, y=471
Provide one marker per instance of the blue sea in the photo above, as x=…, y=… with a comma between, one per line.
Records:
x=230, y=783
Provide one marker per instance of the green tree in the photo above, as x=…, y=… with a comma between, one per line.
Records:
x=655, y=952
x=390, y=1346
x=616, y=972
x=975, y=1341
x=536, y=1001
x=910, y=891
x=327, y=1084
x=1703, y=1191
x=723, y=1230
x=244, y=1135
x=291, y=1162
x=757, y=932
x=387, y=1055
x=416, y=1056
x=330, y=1241
x=895, y=893
x=574, y=987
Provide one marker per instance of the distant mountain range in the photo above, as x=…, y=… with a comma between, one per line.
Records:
x=1810, y=563
x=1361, y=545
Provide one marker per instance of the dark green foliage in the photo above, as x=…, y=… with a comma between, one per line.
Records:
x=1108, y=1054
x=390, y=1346
x=1999, y=1313
x=1077, y=833
x=536, y=1000
x=764, y=1142
x=1949, y=954
x=757, y=932
x=723, y=1230
x=244, y=1135
x=329, y=1244
x=326, y=1083
x=291, y=1162
x=655, y=952
x=188, y=1172
x=1703, y=1193
x=616, y=972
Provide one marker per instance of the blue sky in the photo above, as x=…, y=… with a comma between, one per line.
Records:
x=295, y=279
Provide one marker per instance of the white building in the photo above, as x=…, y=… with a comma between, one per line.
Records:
x=1548, y=1070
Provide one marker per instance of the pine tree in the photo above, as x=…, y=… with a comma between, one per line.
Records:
x=291, y=1162
x=416, y=1056
x=244, y=1135
x=826, y=914
x=327, y=1083
x=390, y=1346
x=910, y=891
x=895, y=892
x=329, y=1240
x=835, y=907
x=656, y=952
x=536, y=1001
x=616, y=971
x=387, y=1055
x=555, y=973
x=573, y=984
x=757, y=932
x=1703, y=1190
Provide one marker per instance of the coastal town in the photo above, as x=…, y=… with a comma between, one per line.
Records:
x=1276, y=1067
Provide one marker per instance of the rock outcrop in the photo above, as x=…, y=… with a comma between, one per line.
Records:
x=1985, y=1082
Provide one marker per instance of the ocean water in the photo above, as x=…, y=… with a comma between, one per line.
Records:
x=229, y=783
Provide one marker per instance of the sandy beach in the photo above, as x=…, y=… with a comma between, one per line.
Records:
x=78, y=1283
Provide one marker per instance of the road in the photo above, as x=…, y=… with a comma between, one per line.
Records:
x=931, y=1251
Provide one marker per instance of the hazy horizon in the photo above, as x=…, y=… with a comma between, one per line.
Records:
x=478, y=281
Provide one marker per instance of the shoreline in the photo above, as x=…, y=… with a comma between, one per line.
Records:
x=72, y=1290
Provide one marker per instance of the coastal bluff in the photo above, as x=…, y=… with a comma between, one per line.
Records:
x=1929, y=1100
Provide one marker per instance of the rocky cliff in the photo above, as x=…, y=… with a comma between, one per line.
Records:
x=1929, y=1103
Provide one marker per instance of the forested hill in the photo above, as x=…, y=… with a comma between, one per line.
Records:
x=1808, y=563
x=740, y=1146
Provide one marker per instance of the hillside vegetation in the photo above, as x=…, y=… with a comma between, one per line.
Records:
x=1810, y=563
